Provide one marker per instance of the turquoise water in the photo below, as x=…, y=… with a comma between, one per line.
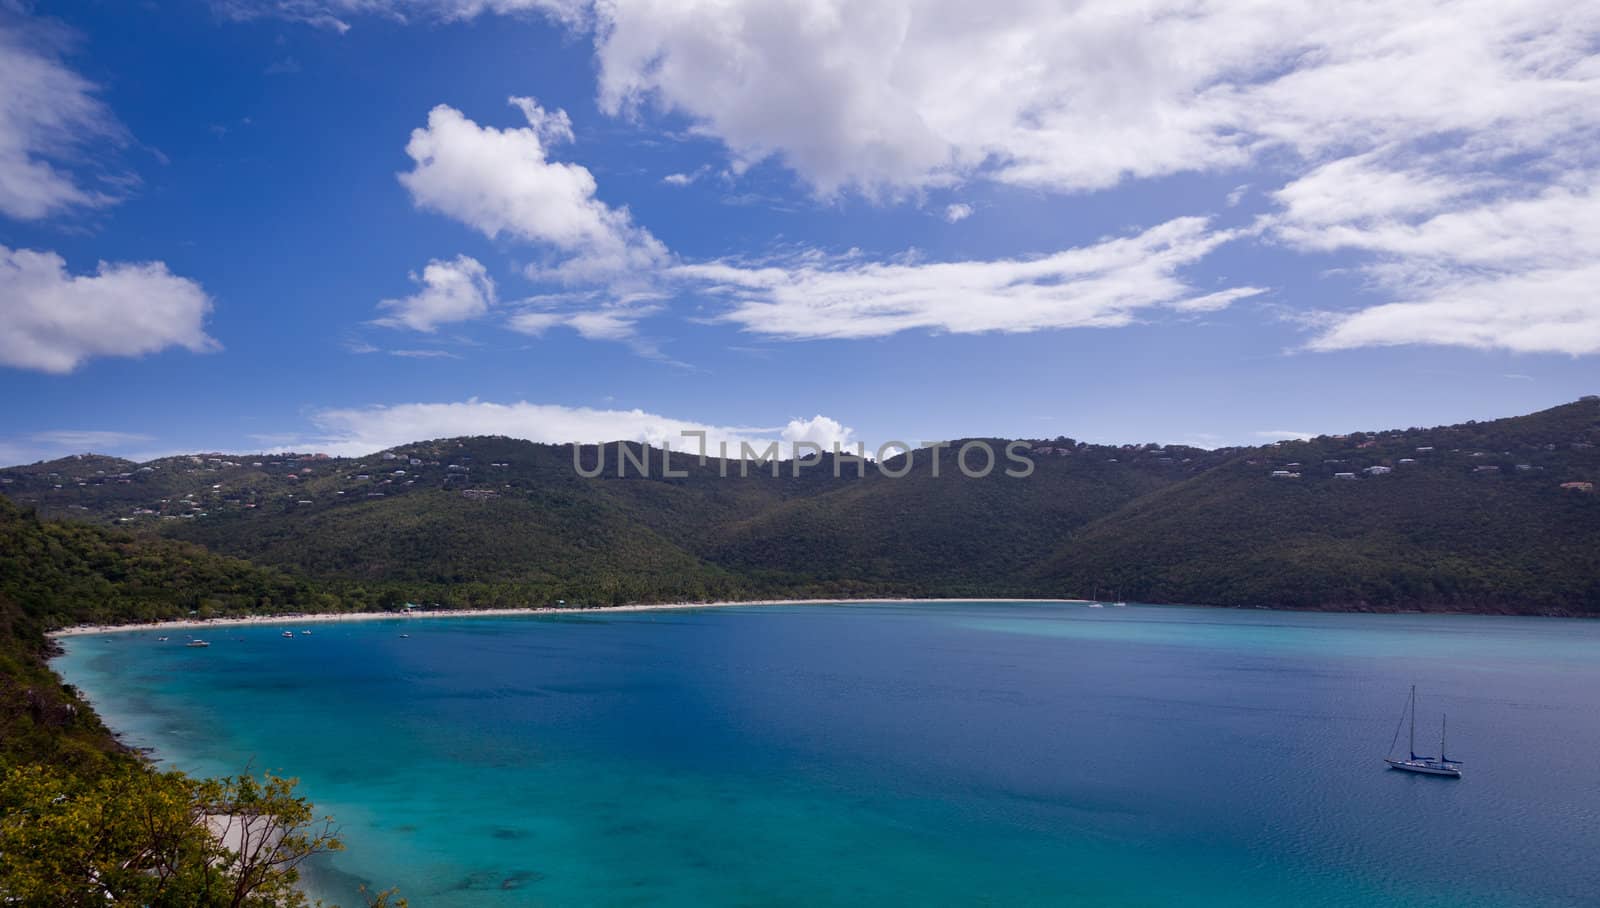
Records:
x=933, y=754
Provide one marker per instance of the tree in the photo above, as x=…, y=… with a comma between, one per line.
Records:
x=138, y=837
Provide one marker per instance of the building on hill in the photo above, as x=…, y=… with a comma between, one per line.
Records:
x=1344, y=476
x=1378, y=471
x=1578, y=486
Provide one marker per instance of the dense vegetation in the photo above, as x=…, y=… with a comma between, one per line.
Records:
x=82, y=820
x=1468, y=517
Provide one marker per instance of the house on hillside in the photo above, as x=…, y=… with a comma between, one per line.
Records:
x=1284, y=474
x=1378, y=471
x=1344, y=476
x=1578, y=486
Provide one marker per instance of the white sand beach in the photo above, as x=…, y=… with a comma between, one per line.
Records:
x=420, y=614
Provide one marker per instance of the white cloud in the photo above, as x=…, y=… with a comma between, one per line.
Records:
x=52, y=321
x=49, y=119
x=957, y=212
x=503, y=182
x=907, y=93
x=451, y=291
x=686, y=178
x=1501, y=269
x=356, y=432
x=822, y=431
x=89, y=439
x=335, y=14
x=1101, y=285
x=424, y=354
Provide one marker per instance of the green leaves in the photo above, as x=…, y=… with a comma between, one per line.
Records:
x=138, y=837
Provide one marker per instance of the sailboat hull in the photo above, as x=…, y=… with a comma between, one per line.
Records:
x=1426, y=767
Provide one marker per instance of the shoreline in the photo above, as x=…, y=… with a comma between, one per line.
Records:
x=80, y=630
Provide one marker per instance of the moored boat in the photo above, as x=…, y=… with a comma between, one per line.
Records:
x=1428, y=766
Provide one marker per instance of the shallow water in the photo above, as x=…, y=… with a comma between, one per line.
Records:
x=935, y=754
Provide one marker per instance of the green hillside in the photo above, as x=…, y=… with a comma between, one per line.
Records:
x=54, y=573
x=1468, y=517
x=1472, y=517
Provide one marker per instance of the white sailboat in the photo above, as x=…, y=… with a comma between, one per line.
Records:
x=1429, y=766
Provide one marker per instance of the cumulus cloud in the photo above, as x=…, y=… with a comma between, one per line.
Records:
x=908, y=93
x=450, y=291
x=49, y=116
x=821, y=431
x=355, y=432
x=1102, y=285
x=502, y=182
x=52, y=321
x=957, y=212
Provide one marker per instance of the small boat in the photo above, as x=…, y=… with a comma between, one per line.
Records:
x=405, y=635
x=161, y=640
x=305, y=633
x=1428, y=766
x=1096, y=605
x=289, y=634
x=197, y=643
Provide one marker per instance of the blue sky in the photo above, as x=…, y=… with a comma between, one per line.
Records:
x=344, y=224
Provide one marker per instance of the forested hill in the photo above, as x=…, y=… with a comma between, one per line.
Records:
x=56, y=573
x=1491, y=516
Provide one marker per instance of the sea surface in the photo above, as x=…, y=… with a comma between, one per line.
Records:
x=905, y=754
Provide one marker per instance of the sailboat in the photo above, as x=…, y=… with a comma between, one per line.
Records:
x=1095, y=602
x=1431, y=766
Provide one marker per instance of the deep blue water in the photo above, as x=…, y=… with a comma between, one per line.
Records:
x=933, y=754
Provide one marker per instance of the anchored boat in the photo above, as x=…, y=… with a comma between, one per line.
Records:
x=1428, y=766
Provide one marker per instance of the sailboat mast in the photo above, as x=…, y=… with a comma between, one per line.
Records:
x=1442, y=719
x=1413, y=721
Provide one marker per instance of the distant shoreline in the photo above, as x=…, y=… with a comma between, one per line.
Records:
x=80, y=630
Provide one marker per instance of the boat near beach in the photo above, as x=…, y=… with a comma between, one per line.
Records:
x=1428, y=766
x=289, y=634
x=196, y=644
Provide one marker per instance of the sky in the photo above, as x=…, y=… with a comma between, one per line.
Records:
x=342, y=225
